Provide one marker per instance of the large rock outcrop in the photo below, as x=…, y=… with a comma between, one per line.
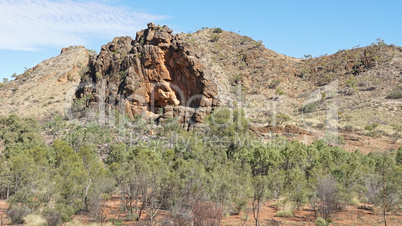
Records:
x=156, y=74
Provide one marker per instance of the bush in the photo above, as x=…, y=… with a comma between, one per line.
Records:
x=206, y=213
x=52, y=217
x=308, y=108
x=320, y=222
x=274, y=83
x=17, y=214
x=283, y=213
x=218, y=30
x=348, y=128
x=215, y=37
x=396, y=93
x=279, y=91
x=371, y=126
x=131, y=217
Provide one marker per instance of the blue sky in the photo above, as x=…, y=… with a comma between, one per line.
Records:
x=34, y=30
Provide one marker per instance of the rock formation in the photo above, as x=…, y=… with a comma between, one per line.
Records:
x=156, y=74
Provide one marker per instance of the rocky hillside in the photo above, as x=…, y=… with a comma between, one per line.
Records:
x=163, y=75
x=358, y=81
x=47, y=88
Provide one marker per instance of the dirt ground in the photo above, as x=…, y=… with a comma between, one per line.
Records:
x=305, y=216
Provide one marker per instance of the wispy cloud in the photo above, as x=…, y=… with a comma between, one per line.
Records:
x=31, y=24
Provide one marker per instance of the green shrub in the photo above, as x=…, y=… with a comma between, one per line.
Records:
x=215, y=37
x=218, y=30
x=308, y=108
x=320, y=222
x=284, y=213
x=279, y=91
x=371, y=127
x=396, y=93
x=17, y=214
x=282, y=118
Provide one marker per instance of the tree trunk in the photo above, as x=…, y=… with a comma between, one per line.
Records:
x=8, y=191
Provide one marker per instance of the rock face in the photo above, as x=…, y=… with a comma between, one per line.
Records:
x=156, y=74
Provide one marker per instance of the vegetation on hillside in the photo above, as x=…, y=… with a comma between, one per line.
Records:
x=60, y=168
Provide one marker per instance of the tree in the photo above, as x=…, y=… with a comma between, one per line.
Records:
x=260, y=192
x=229, y=129
x=327, y=195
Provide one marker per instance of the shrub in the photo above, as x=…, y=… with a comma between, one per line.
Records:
x=52, y=217
x=320, y=222
x=282, y=118
x=206, y=213
x=17, y=214
x=215, y=37
x=283, y=213
x=99, y=75
x=218, y=30
x=279, y=91
x=274, y=83
x=308, y=108
x=84, y=71
x=348, y=128
x=131, y=217
x=396, y=93
x=371, y=126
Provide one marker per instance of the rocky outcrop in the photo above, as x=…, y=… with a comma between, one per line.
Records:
x=155, y=74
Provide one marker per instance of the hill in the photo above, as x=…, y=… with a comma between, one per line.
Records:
x=161, y=75
x=42, y=90
x=202, y=129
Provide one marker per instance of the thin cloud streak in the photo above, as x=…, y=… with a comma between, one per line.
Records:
x=32, y=24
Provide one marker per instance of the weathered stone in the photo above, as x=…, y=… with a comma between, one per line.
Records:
x=156, y=70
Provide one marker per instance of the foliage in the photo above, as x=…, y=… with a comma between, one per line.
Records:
x=52, y=217
x=186, y=173
x=320, y=222
x=279, y=91
x=17, y=214
x=308, y=108
x=371, y=126
x=396, y=93
x=284, y=213
x=19, y=134
x=217, y=30
x=215, y=37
